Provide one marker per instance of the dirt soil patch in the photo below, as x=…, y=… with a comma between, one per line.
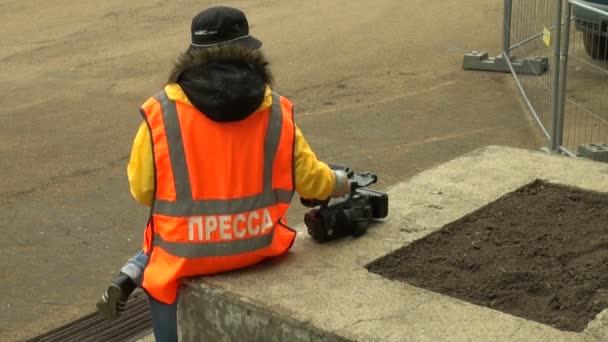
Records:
x=540, y=253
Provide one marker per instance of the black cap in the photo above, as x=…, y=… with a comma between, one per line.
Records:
x=222, y=25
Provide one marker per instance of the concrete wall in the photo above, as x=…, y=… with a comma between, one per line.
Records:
x=322, y=292
x=208, y=314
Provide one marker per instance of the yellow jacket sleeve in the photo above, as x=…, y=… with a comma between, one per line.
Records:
x=141, y=167
x=313, y=178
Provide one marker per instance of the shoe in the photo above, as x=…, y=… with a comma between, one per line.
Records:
x=114, y=300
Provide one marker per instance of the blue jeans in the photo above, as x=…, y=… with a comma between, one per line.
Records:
x=164, y=316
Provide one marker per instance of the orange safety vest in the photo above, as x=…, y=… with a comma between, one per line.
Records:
x=221, y=191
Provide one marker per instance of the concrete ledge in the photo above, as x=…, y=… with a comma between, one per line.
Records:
x=324, y=293
x=226, y=317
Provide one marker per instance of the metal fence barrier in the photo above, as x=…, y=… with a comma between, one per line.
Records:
x=530, y=21
x=557, y=51
x=584, y=102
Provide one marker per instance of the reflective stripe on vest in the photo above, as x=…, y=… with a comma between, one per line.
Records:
x=186, y=206
x=190, y=250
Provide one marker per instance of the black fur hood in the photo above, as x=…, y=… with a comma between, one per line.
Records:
x=226, y=83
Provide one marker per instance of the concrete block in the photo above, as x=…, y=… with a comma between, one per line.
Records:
x=597, y=152
x=324, y=293
x=476, y=60
x=224, y=317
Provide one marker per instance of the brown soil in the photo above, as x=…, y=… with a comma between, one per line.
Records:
x=540, y=253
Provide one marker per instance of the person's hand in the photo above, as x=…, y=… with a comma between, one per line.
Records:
x=342, y=185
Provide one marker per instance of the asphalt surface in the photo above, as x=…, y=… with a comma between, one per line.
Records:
x=377, y=86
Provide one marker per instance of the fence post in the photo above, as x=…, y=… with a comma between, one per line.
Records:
x=563, y=75
x=506, y=28
x=555, y=75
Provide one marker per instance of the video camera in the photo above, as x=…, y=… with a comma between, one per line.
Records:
x=350, y=215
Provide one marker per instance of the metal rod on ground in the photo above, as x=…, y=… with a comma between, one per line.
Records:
x=556, y=40
x=506, y=28
x=565, y=46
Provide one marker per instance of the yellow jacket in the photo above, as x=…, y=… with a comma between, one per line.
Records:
x=313, y=178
